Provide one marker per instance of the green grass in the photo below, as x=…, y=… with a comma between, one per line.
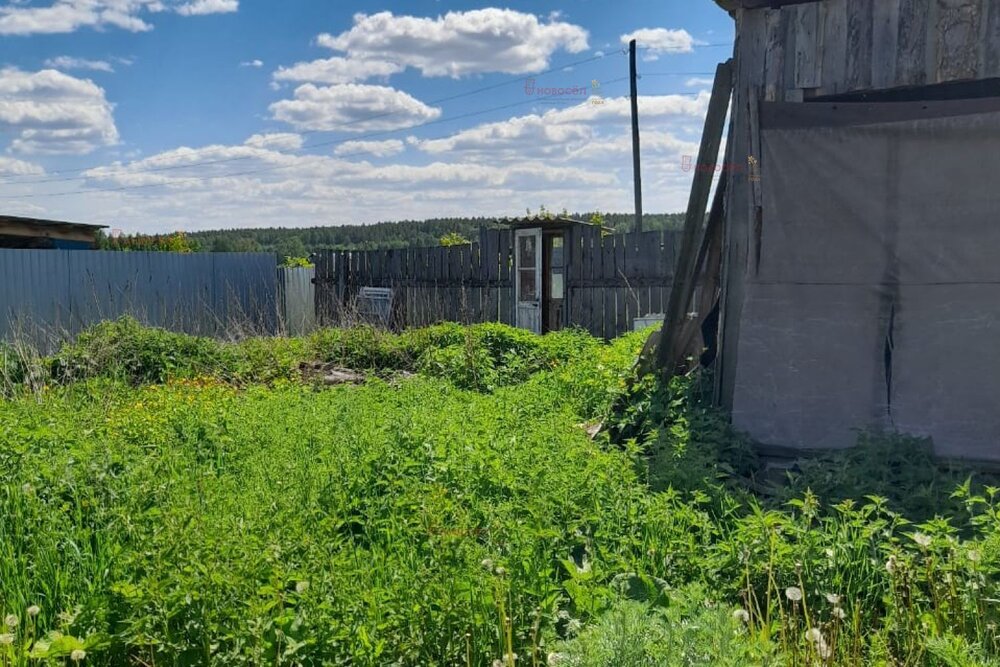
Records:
x=176, y=501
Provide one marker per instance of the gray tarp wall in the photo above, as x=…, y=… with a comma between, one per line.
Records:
x=873, y=292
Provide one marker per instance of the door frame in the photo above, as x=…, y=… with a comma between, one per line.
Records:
x=536, y=233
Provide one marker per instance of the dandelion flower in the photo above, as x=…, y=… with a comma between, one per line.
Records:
x=34, y=610
x=793, y=593
x=302, y=587
x=501, y=572
x=833, y=598
x=555, y=659
x=573, y=626
x=974, y=555
x=824, y=651
x=814, y=635
x=6, y=639
x=487, y=564
x=498, y=663
x=11, y=621
x=839, y=613
x=77, y=655
x=890, y=565
x=741, y=615
x=922, y=540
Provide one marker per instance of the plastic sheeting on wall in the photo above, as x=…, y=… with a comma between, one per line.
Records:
x=875, y=301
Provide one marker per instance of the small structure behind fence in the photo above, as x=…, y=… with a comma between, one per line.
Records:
x=297, y=298
x=49, y=295
x=610, y=280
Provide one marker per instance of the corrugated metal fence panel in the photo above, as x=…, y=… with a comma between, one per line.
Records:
x=48, y=295
x=298, y=300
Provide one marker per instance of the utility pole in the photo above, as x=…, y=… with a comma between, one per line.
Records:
x=636, y=172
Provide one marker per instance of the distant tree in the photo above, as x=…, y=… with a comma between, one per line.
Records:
x=297, y=263
x=453, y=239
x=176, y=242
x=291, y=247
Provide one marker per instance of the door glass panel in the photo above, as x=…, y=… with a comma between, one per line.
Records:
x=557, y=251
x=529, y=287
x=557, y=284
x=527, y=253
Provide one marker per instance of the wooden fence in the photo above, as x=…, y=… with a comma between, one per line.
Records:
x=610, y=280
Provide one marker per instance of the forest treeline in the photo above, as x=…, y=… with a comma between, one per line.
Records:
x=300, y=242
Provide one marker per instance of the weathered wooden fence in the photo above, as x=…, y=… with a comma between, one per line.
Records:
x=610, y=280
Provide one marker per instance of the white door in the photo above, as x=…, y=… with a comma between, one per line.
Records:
x=528, y=278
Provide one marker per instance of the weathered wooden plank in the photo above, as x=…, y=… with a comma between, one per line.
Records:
x=808, y=45
x=774, y=54
x=609, y=257
x=491, y=255
x=834, y=46
x=789, y=20
x=859, y=44
x=958, y=30
x=911, y=53
x=885, y=36
x=990, y=59
x=684, y=282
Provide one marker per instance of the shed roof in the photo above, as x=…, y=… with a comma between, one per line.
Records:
x=541, y=221
x=733, y=5
x=49, y=224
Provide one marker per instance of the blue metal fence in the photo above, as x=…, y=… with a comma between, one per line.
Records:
x=48, y=295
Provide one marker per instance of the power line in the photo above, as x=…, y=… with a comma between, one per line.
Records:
x=366, y=119
x=125, y=188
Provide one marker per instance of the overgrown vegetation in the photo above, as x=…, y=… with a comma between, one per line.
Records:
x=174, y=500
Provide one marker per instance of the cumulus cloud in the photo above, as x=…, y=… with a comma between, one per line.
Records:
x=64, y=16
x=252, y=63
x=11, y=167
x=374, y=148
x=459, y=43
x=337, y=70
x=586, y=129
x=698, y=82
x=202, y=7
x=279, y=141
x=661, y=40
x=53, y=112
x=68, y=62
x=352, y=107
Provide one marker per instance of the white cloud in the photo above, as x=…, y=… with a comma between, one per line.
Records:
x=374, y=148
x=11, y=167
x=52, y=112
x=252, y=63
x=68, y=62
x=583, y=130
x=352, y=107
x=337, y=70
x=64, y=16
x=698, y=82
x=661, y=40
x=280, y=141
x=459, y=43
x=202, y=7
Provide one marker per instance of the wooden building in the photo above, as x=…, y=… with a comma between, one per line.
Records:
x=18, y=232
x=860, y=280
x=539, y=273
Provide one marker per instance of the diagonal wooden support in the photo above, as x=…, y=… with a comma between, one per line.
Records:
x=670, y=349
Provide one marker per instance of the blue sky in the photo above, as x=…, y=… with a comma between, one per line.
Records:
x=155, y=115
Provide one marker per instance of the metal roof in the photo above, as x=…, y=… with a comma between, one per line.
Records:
x=50, y=223
x=541, y=221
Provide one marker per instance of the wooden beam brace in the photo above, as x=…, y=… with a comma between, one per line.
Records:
x=685, y=277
